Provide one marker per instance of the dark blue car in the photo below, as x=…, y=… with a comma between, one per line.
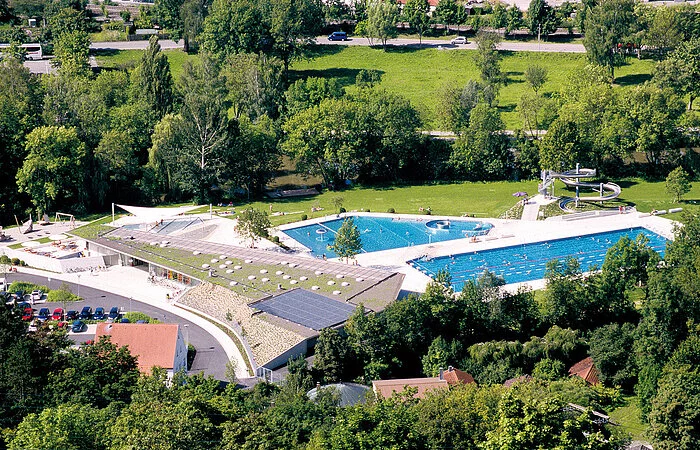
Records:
x=86, y=313
x=338, y=36
x=99, y=313
x=114, y=313
x=78, y=326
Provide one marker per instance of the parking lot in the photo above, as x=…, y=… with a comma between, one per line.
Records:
x=210, y=359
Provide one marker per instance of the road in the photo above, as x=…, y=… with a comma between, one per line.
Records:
x=211, y=357
x=513, y=46
x=427, y=43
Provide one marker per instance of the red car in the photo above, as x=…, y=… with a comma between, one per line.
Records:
x=28, y=314
x=57, y=314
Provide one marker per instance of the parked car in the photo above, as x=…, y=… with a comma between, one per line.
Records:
x=86, y=312
x=99, y=313
x=71, y=314
x=114, y=313
x=125, y=320
x=459, y=40
x=44, y=314
x=28, y=314
x=57, y=314
x=3, y=284
x=338, y=36
x=36, y=296
x=23, y=305
x=78, y=326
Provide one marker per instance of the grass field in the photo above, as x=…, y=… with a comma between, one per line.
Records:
x=126, y=59
x=421, y=75
x=629, y=418
x=456, y=199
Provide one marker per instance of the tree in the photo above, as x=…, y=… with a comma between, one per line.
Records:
x=446, y=13
x=548, y=369
x=235, y=26
x=676, y=407
x=255, y=85
x=608, y=26
x=72, y=50
x=459, y=103
x=52, y=173
x=294, y=25
x=252, y=224
x=441, y=354
x=536, y=76
x=151, y=81
x=382, y=16
x=256, y=156
x=681, y=70
x=332, y=356
x=482, y=152
x=487, y=58
x=305, y=93
x=66, y=426
x=347, y=241
x=95, y=374
x=196, y=146
x=415, y=12
x=514, y=19
x=541, y=18
x=678, y=183
x=662, y=32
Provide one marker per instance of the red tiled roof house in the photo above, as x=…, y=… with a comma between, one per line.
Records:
x=154, y=344
x=586, y=370
x=447, y=378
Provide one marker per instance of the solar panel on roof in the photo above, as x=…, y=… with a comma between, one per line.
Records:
x=307, y=308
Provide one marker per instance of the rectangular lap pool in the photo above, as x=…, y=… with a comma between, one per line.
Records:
x=519, y=263
x=386, y=233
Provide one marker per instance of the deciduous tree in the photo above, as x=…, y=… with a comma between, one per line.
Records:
x=347, y=243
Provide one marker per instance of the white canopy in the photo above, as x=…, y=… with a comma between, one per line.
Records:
x=156, y=214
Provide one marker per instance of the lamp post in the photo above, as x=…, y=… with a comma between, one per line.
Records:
x=78, y=285
x=130, y=310
x=187, y=334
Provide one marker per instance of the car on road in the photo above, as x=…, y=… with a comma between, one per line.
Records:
x=71, y=314
x=99, y=313
x=114, y=313
x=78, y=326
x=338, y=36
x=86, y=312
x=459, y=40
x=44, y=314
x=57, y=314
x=36, y=296
x=27, y=314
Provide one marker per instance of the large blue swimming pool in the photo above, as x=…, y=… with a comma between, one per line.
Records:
x=527, y=262
x=385, y=233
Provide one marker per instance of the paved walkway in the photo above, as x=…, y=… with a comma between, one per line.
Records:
x=531, y=209
x=133, y=283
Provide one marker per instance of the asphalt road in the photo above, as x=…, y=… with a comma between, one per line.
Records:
x=210, y=359
x=427, y=43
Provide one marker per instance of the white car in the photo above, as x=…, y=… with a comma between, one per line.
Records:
x=36, y=296
x=460, y=40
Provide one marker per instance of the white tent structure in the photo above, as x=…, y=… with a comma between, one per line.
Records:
x=146, y=214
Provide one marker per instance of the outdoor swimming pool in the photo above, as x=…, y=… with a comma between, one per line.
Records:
x=527, y=262
x=386, y=233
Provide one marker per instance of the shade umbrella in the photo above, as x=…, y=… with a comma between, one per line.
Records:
x=520, y=194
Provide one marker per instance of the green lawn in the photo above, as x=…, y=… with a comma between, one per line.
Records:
x=126, y=59
x=421, y=75
x=456, y=199
x=629, y=418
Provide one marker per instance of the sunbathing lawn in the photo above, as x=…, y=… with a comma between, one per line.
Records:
x=629, y=418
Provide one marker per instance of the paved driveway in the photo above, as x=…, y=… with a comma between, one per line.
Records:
x=211, y=358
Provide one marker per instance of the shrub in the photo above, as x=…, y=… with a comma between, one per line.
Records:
x=22, y=263
x=191, y=353
x=15, y=261
x=428, y=212
x=62, y=294
x=391, y=211
x=342, y=210
x=26, y=287
x=304, y=217
x=276, y=239
x=4, y=259
x=135, y=316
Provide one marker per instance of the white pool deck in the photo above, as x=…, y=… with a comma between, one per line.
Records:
x=504, y=233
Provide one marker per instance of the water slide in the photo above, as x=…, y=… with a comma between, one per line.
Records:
x=571, y=178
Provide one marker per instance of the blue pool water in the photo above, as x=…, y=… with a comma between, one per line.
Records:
x=527, y=262
x=385, y=233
